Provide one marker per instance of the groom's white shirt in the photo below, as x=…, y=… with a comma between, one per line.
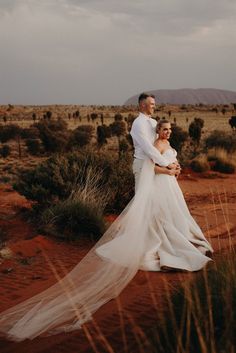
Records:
x=143, y=133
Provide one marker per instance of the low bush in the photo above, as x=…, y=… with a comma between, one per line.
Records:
x=55, y=178
x=53, y=134
x=178, y=137
x=81, y=136
x=33, y=146
x=81, y=214
x=200, y=164
x=201, y=315
x=73, y=219
x=224, y=166
x=5, y=151
x=9, y=132
x=221, y=139
x=222, y=161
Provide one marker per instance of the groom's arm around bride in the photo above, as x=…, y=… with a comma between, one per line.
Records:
x=143, y=133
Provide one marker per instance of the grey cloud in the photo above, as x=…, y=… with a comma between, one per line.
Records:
x=67, y=51
x=167, y=16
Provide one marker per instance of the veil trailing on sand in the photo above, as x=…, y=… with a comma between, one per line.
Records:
x=95, y=280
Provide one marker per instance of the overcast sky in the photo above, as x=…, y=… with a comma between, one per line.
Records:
x=104, y=51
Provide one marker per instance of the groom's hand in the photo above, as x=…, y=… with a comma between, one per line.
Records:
x=171, y=166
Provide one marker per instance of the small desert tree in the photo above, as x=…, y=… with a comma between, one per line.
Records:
x=118, y=128
x=178, y=137
x=53, y=134
x=11, y=132
x=101, y=136
x=232, y=122
x=81, y=136
x=195, y=131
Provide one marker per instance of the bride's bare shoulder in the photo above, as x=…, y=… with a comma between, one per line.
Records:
x=158, y=145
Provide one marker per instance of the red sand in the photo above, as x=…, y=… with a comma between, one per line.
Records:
x=212, y=203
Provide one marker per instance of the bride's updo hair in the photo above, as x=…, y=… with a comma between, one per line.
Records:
x=160, y=123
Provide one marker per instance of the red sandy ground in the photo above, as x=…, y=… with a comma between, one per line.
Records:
x=120, y=324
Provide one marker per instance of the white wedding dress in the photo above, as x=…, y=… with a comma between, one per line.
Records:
x=173, y=238
x=154, y=230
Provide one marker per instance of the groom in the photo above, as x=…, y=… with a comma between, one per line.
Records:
x=143, y=133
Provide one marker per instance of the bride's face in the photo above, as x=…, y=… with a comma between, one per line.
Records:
x=165, y=131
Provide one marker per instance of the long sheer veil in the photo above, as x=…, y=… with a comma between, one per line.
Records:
x=95, y=280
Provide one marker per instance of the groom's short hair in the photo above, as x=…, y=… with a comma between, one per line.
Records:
x=144, y=96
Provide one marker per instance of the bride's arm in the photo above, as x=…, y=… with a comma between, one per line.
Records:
x=164, y=170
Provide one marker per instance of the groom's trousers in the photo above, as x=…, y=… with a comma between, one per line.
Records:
x=137, y=167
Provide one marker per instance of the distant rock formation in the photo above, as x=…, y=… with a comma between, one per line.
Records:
x=189, y=96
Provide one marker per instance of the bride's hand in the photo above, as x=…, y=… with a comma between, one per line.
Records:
x=172, y=166
x=172, y=171
x=177, y=172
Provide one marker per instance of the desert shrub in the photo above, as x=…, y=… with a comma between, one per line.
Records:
x=224, y=166
x=199, y=121
x=72, y=219
x=221, y=160
x=5, y=151
x=81, y=136
x=121, y=185
x=221, y=139
x=123, y=146
x=193, y=314
x=103, y=132
x=101, y=136
x=30, y=133
x=53, y=134
x=33, y=146
x=55, y=178
x=118, y=117
x=195, y=130
x=232, y=122
x=217, y=153
x=200, y=164
x=9, y=132
x=81, y=214
x=130, y=119
x=118, y=128
x=178, y=137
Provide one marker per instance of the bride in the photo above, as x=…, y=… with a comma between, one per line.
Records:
x=155, y=232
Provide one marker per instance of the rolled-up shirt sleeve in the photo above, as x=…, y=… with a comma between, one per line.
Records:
x=140, y=134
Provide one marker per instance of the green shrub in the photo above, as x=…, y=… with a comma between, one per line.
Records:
x=222, y=161
x=178, y=137
x=53, y=134
x=5, y=151
x=120, y=184
x=30, y=133
x=81, y=136
x=81, y=214
x=221, y=139
x=118, y=128
x=224, y=166
x=55, y=178
x=195, y=130
x=201, y=316
x=200, y=164
x=9, y=132
x=33, y=146
x=72, y=219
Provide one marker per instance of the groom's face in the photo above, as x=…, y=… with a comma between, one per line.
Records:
x=150, y=105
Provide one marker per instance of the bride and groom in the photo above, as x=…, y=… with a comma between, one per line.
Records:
x=155, y=232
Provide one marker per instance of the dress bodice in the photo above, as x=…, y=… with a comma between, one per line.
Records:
x=170, y=154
